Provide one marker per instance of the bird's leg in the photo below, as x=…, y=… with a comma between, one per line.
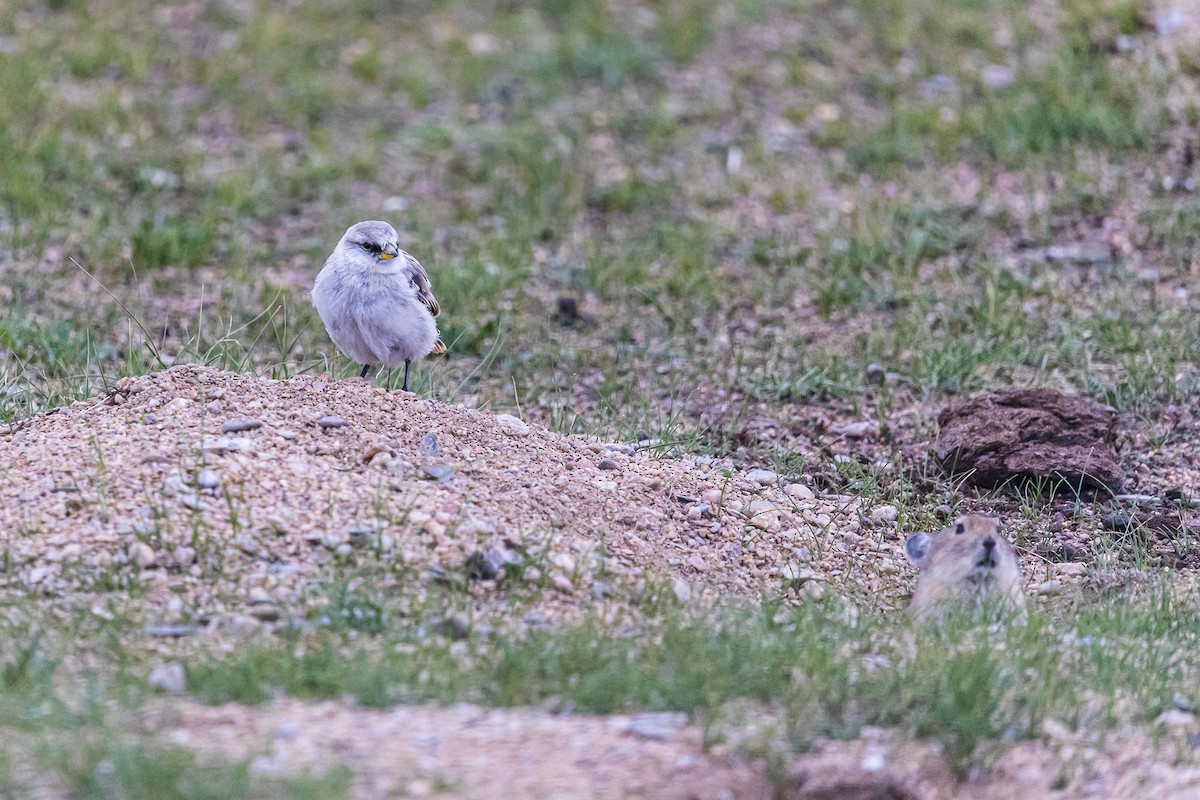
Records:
x=366, y=368
x=407, y=364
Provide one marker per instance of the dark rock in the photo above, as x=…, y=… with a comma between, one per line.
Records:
x=568, y=309
x=429, y=445
x=456, y=627
x=1171, y=524
x=1030, y=434
x=1065, y=553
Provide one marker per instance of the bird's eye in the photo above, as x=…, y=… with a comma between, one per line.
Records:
x=960, y=528
x=370, y=247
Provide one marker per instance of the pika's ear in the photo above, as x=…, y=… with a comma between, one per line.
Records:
x=916, y=547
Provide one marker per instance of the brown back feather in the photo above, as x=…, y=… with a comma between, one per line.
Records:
x=420, y=280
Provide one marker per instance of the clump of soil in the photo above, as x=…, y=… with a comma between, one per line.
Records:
x=1020, y=435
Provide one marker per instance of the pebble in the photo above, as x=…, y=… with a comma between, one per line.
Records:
x=763, y=515
x=142, y=554
x=239, y=425
x=1176, y=718
x=487, y=564
x=697, y=563
x=606, y=486
x=183, y=555
x=654, y=726
x=360, y=536
x=170, y=631
x=439, y=472
x=1070, y=568
x=887, y=514
x=227, y=444
x=264, y=612
x=429, y=445
x=330, y=421
x=799, y=491
x=854, y=430
x=681, y=590
x=763, y=477
x=333, y=540
x=207, y=479
x=512, y=425
x=563, y=584
x=168, y=677
x=1048, y=588
x=608, y=464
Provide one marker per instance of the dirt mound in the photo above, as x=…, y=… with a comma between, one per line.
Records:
x=1024, y=434
x=223, y=493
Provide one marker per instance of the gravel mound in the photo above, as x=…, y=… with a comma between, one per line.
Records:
x=217, y=494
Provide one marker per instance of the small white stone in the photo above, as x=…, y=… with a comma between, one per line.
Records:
x=681, y=590
x=512, y=425
x=763, y=477
x=1176, y=718
x=169, y=677
x=763, y=515
x=884, y=514
x=142, y=554
x=1048, y=588
x=798, y=491
x=333, y=540
x=207, y=479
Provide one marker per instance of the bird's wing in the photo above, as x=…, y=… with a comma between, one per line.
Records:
x=420, y=281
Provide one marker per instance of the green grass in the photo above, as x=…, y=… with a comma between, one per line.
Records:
x=824, y=672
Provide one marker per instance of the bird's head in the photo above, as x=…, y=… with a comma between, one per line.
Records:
x=370, y=243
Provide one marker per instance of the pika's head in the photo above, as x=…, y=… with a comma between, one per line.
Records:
x=968, y=564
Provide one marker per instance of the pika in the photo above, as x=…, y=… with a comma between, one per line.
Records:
x=968, y=566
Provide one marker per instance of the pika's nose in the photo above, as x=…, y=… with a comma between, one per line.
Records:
x=989, y=544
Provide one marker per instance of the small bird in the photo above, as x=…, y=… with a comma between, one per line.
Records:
x=376, y=301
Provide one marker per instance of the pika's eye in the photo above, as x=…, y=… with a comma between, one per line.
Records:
x=959, y=527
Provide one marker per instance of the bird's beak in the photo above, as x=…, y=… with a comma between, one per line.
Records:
x=389, y=252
